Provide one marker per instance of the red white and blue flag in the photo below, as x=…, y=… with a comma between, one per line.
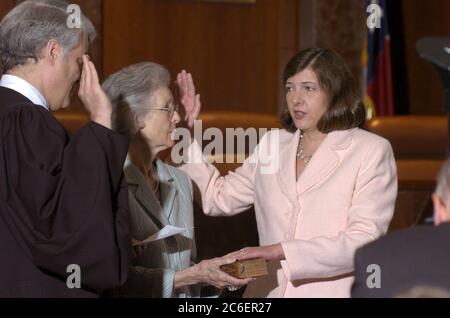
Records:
x=378, y=69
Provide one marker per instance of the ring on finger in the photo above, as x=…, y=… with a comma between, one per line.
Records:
x=232, y=288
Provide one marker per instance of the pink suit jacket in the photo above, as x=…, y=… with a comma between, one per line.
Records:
x=344, y=199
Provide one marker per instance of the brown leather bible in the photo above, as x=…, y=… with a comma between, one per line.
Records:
x=246, y=269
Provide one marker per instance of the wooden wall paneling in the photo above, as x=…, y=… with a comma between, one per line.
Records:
x=424, y=18
x=232, y=49
x=5, y=7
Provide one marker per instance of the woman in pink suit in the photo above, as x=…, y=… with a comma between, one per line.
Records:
x=333, y=191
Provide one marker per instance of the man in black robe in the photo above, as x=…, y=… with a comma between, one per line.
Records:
x=63, y=201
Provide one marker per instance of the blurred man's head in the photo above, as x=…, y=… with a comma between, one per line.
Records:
x=441, y=197
x=39, y=44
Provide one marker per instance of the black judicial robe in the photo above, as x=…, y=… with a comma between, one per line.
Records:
x=63, y=201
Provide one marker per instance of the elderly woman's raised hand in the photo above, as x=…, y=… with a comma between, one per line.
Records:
x=93, y=96
x=187, y=97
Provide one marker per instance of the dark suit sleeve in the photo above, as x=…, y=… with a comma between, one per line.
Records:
x=68, y=200
x=371, y=273
x=359, y=285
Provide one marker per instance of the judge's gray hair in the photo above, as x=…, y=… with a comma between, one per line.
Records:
x=130, y=90
x=26, y=30
x=443, y=181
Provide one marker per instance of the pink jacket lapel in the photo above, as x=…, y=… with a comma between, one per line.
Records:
x=323, y=163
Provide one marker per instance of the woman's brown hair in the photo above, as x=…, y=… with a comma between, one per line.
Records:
x=345, y=109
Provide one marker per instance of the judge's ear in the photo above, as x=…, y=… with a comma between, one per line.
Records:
x=52, y=51
x=441, y=210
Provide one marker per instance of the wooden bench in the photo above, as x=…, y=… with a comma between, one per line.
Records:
x=420, y=144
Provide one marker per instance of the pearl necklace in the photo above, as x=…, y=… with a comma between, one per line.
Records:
x=300, y=153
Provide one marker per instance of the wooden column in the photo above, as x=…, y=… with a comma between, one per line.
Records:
x=336, y=24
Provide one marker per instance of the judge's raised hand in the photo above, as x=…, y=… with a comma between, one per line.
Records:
x=93, y=96
x=187, y=97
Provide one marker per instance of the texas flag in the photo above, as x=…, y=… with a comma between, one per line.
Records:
x=377, y=62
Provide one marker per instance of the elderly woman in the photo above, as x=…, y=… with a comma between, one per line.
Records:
x=334, y=189
x=159, y=194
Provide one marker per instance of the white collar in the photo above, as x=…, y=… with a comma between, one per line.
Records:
x=24, y=88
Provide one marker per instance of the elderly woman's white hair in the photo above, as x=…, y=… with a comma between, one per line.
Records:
x=443, y=181
x=130, y=90
x=27, y=28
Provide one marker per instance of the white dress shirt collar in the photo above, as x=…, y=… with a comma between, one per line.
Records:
x=24, y=88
